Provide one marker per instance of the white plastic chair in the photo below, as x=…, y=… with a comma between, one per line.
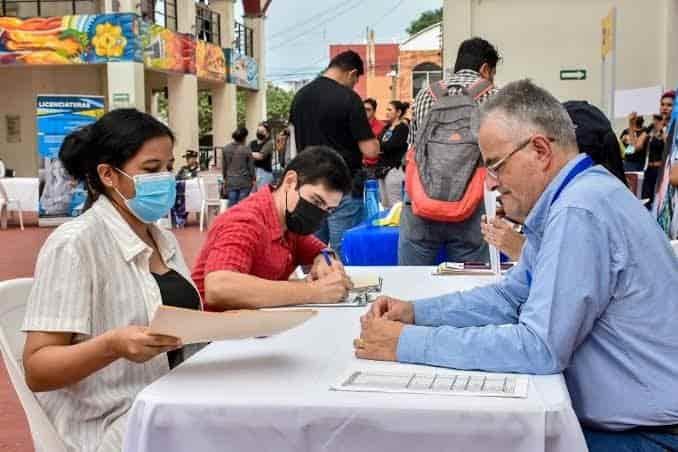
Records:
x=7, y=205
x=674, y=244
x=209, y=192
x=13, y=297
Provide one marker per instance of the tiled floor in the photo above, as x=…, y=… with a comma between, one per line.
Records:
x=18, y=252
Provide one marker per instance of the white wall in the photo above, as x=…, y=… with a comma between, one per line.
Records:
x=538, y=38
x=427, y=40
x=18, y=91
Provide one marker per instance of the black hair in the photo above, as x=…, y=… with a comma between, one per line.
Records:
x=114, y=139
x=321, y=164
x=400, y=106
x=475, y=52
x=372, y=102
x=240, y=134
x=640, y=122
x=265, y=125
x=348, y=61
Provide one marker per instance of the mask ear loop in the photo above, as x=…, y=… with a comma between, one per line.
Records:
x=128, y=176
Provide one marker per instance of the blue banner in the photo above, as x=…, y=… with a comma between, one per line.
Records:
x=57, y=116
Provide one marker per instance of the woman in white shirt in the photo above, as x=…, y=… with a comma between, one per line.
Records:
x=99, y=279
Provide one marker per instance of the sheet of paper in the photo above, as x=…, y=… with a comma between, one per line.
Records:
x=361, y=282
x=478, y=384
x=490, y=199
x=193, y=326
x=644, y=101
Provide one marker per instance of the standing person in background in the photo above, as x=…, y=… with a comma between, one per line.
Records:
x=238, y=169
x=665, y=204
x=262, y=153
x=278, y=161
x=421, y=238
x=393, y=142
x=2, y=168
x=371, y=111
x=634, y=139
x=328, y=112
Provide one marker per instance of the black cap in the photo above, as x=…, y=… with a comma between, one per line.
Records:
x=595, y=136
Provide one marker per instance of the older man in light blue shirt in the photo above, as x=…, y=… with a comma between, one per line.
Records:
x=595, y=294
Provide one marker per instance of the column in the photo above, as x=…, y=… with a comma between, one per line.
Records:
x=224, y=110
x=183, y=112
x=668, y=40
x=125, y=85
x=256, y=100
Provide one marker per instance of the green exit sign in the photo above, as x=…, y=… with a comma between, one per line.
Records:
x=573, y=74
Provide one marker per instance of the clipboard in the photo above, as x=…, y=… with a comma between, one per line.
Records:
x=192, y=326
x=459, y=268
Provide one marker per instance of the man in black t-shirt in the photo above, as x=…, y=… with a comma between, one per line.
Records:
x=328, y=112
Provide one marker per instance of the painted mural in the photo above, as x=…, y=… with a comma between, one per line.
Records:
x=242, y=70
x=210, y=62
x=103, y=38
x=166, y=50
x=82, y=39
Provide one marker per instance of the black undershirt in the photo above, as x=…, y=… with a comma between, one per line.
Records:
x=176, y=291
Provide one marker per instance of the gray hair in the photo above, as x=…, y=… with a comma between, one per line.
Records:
x=526, y=108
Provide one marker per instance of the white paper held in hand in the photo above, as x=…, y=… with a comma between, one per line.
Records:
x=490, y=212
x=193, y=326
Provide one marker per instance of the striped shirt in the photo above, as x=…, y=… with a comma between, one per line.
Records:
x=93, y=275
x=424, y=100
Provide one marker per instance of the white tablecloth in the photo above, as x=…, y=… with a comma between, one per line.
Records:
x=272, y=395
x=193, y=196
x=25, y=189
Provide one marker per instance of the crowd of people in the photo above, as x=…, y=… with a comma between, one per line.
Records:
x=592, y=294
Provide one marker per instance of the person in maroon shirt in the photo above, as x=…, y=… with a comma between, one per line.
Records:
x=253, y=248
x=376, y=125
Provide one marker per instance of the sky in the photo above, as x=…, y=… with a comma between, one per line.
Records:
x=299, y=32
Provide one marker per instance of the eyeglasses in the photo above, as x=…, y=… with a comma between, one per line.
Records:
x=493, y=169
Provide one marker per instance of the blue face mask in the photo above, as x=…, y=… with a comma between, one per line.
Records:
x=155, y=194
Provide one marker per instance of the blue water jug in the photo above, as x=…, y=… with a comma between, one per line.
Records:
x=371, y=198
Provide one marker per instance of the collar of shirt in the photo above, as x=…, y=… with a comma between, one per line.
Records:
x=271, y=215
x=130, y=244
x=464, y=77
x=536, y=220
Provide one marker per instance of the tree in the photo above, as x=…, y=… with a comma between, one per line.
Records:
x=425, y=19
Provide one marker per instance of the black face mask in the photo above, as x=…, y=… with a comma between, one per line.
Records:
x=261, y=136
x=306, y=218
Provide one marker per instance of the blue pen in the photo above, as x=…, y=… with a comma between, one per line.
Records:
x=326, y=253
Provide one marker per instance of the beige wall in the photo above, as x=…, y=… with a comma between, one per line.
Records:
x=18, y=92
x=538, y=38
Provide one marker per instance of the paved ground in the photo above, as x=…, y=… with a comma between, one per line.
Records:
x=18, y=252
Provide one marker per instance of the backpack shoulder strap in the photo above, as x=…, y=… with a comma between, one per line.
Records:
x=478, y=88
x=438, y=90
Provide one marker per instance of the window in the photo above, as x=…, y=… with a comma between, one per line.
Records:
x=423, y=75
x=46, y=8
x=207, y=24
x=161, y=12
x=244, y=40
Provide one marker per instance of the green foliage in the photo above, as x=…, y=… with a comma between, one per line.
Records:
x=278, y=102
x=425, y=19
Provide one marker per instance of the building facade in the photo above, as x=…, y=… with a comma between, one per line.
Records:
x=131, y=53
x=539, y=39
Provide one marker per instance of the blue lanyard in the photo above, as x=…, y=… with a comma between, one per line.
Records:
x=579, y=168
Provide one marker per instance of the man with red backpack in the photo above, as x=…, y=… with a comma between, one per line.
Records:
x=444, y=172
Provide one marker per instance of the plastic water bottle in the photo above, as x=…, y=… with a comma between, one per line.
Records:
x=371, y=198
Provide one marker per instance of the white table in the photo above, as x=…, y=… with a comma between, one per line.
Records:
x=272, y=395
x=24, y=189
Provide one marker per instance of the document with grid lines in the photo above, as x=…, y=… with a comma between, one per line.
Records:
x=449, y=383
